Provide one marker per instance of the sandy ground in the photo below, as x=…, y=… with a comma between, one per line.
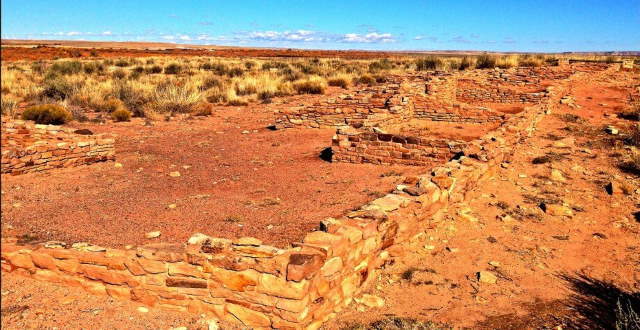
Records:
x=237, y=178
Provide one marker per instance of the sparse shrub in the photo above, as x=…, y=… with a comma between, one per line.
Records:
x=46, y=114
x=485, y=61
x=56, y=88
x=109, y=105
x=93, y=53
x=339, y=82
x=118, y=74
x=235, y=72
x=122, y=63
x=138, y=69
x=237, y=102
x=92, y=67
x=610, y=59
x=465, y=63
x=38, y=67
x=173, y=68
x=210, y=82
x=383, y=64
x=249, y=65
x=429, y=63
x=154, y=69
x=150, y=61
x=529, y=61
x=365, y=80
x=380, y=79
x=66, y=67
x=121, y=115
x=203, y=109
x=134, y=99
x=8, y=107
x=313, y=85
x=274, y=65
x=172, y=97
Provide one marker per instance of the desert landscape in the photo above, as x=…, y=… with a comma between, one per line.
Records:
x=159, y=185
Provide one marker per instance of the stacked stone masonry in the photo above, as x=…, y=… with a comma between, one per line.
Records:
x=265, y=287
x=385, y=149
x=28, y=147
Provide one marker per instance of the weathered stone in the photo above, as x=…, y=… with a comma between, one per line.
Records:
x=152, y=266
x=282, y=288
x=332, y=266
x=303, y=265
x=370, y=301
x=248, y=316
x=234, y=280
x=185, y=282
x=487, y=277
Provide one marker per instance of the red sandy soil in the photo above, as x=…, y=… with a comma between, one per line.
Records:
x=13, y=53
x=267, y=184
x=551, y=270
x=444, y=130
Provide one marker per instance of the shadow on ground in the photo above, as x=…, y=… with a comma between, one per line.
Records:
x=592, y=304
x=600, y=304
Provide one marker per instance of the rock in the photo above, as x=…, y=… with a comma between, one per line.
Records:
x=174, y=174
x=487, y=277
x=142, y=309
x=494, y=263
x=172, y=206
x=245, y=132
x=117, y=165
x=618, y=188
x=152, y=234
x=83, y=131
x=212, y=325
x=556, y=210
x=197, y=238
x=611, y=130
x=557, y=175
x=247, y=241
x=370, y=301
x=379, y=130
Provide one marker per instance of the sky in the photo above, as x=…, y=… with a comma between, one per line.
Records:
x=498, y=25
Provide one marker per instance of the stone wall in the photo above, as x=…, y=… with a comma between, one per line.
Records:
x=385, y=149
x=266, y=287
x=33, y=148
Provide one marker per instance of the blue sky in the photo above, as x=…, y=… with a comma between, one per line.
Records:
x=514, y=25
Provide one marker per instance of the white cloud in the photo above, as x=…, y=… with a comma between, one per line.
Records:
x=418, y=37
x=168, y=37
x=74, y=33
x=107, y=33
x=373, y=37
x=184, y=37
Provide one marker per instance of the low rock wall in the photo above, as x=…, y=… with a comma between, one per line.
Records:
x=386, y=149
x=27, y=147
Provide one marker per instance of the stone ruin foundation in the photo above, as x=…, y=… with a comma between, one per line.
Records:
x=28, y=147
x=300, y=287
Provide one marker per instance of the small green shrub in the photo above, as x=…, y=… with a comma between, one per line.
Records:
x=173, y=68
x=237, y=102
x=56, y=88
x=203, y=109
x=66, y=67
x=121, y=115
x=47, y=114
x=383, y=64
x=92, y=67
